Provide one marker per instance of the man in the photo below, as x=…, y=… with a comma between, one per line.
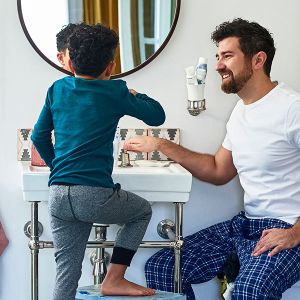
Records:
x=262, y=146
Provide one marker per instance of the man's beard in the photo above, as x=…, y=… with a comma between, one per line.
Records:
x=236, y=83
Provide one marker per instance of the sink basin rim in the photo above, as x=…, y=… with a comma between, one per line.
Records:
x=174, y=180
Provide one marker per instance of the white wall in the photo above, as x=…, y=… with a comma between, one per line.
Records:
x=33, y=21
x=24, y=79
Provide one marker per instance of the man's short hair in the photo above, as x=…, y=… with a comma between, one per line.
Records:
x=252, y=38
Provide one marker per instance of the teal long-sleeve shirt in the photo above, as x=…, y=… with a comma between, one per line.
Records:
x=84, y=115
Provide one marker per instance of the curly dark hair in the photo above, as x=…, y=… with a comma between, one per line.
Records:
x=92, y=48
x=62, y=37
x=252, y=38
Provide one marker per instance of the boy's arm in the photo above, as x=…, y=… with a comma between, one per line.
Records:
x=41, y=135
x=142, y=107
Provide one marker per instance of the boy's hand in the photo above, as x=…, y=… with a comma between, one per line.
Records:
x=142, y=144
x=132, y=91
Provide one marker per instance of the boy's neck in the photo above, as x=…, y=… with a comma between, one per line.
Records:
x=105, y=75
x=88, y=77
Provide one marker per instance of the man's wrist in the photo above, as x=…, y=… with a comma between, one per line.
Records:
x=160, y=144
x=295, y=234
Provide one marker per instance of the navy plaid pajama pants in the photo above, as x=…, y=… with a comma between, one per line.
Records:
x=204, y=254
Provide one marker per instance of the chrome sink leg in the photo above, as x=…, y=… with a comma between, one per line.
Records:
x=99, y=258
x=178, y=246
x=99, y=261
x=34, y=249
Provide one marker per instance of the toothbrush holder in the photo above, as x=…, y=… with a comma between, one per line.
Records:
x=196, y=106
x=196, y=101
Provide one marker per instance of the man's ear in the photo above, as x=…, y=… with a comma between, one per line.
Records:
x=110, y=69
x=258, y=60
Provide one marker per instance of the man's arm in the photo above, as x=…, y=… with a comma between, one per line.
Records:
x=217, y=169
x=277, y=239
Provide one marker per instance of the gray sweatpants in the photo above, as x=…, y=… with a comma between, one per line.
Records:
x=73, y=210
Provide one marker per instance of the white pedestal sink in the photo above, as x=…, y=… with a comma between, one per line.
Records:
x=156, y=184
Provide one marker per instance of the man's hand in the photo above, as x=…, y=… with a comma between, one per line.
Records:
x=276, y=239
x=142, y=144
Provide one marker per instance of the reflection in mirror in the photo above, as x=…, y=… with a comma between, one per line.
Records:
x=144, y=26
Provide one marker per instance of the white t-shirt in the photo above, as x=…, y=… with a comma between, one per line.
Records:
x=264, y=138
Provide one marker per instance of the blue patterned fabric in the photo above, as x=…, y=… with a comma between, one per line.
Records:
x=205, y=252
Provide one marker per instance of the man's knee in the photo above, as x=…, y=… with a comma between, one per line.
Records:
x=159, y=271
x=254, y=289
x=162, y=262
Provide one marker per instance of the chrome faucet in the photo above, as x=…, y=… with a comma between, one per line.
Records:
x=125, y=159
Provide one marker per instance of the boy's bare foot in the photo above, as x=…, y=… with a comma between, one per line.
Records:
x=124, y=287
x=115, y=284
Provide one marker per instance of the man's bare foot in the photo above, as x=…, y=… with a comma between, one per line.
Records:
x=124, y=287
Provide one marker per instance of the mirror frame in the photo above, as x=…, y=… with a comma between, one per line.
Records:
x=146, y=62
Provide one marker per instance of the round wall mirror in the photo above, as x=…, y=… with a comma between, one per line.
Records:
x=144, y=26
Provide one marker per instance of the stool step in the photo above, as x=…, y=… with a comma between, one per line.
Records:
x=92, y=292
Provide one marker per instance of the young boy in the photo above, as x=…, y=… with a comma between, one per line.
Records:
x=84, y=112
